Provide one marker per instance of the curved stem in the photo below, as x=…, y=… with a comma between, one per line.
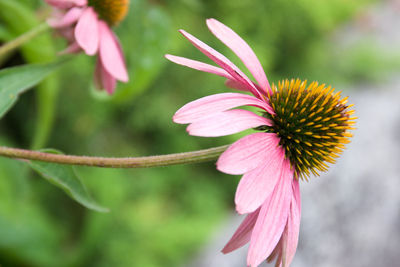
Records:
x=131, y=162
x=24, y=38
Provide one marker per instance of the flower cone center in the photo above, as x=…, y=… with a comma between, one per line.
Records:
x=312, y=123
x=111, y=11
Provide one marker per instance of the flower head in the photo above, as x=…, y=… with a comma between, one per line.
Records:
x=302, y=128
x=86, y=25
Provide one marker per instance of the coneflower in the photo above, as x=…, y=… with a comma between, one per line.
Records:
x=302, y=128
x=86, y=24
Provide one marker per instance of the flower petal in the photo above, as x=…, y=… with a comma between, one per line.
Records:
x=68, y=19
x=226, y=122
x=256, y=185
x=71, y=49
x=66, y=3
x=111, y=53
x=197, y=65
x=87, y=31
x=223, y=62
x=242, y=235
x=103, y=80
x=291, y=233
x=272, y=219
x=241, y=49
x=235, y=85
x=248, y=153
x=208, y=105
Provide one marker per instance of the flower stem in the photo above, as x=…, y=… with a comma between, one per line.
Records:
x=24, y=38
x=131, y=162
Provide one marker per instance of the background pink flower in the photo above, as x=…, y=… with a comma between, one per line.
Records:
x=297, y=137
x=86, y=26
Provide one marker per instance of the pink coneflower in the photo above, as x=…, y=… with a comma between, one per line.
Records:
x=86, y=25
x=301, y=128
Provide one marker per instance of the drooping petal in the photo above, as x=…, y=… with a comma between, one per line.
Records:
x=248, y=153
x=242, y=235
x=71, y=49
x=87, y=31
x=256, y=185
x=197, y=65
x=103, y=80
x=68, y=19
x=223, y=62
x=291, y=234
x=272, y=219
x=241, y=49
x=226, y=123
x=111, y=53
x=208, y=105
x=66, y=3
x=292, y=229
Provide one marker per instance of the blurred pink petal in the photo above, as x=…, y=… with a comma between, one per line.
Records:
x=242, y=235
x=68, y=19
x=198, y=66
x=241, y=49
x=215, y=103
x=226, y=123
x=247, y=153
x=71, y=49
x=111, y=54
x=87, y=31
x=272, y=219
x=223, y=62
x=66, y=3
x=256, y=185
x=103, y=80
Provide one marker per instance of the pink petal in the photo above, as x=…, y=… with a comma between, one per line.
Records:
x=272, y=219
x=68, y=33
x=103, y=80
x=71, y=49
x=235, y=85
x=223, y=62
x=111, y=53
x=68, y=19
x=248, y=153
x=291, y=233
x=205, y=106
x=241, y=49
x=256, y=185
x=197, y=65
x=66, y=3
x=226, y=122
x=242, y=235
x=87, y=31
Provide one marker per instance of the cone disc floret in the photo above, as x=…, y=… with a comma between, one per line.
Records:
x=312, y=123
x=111, y=11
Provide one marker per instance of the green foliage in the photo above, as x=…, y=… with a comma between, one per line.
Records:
x=20, y=17
x=65, y=178
x=16, y=80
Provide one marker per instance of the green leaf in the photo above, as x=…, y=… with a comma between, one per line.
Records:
x=20, y=17
x=16, y=80
x=64, y=177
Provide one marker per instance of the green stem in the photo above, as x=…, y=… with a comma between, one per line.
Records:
x=138, y=162
x=24, y=38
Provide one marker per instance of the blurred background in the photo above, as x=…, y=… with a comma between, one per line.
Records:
x=182, y=215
